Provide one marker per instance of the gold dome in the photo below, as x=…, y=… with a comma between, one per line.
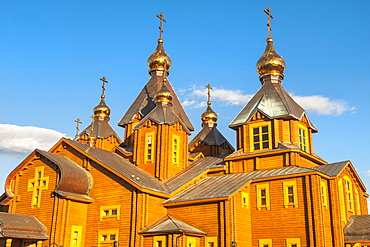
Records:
x=270, y=62
x=159, y=58
x=209, y=116
x=163, y=94
x=101, y=110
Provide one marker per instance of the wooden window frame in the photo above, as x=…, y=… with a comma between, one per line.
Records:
x=108, y=233
x=77, y=229
x=251, y=136
x=37, y=185
x=110, y=209
x=192, y=241
x=324, y=193
x=259, y=188
x=341, y=200
x=175, y=149
x=157, y=239
x=358, y=207
x=349, y=194
x=245, y=200
x=149, y=150
x=211, y=240
x=287, y=195
x=303, y=140
x=290, y=242
x=264, y=242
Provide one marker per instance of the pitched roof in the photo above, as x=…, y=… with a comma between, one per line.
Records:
x=144, y=102
x=192, y=171
x=170, y=224
x=21, y=226
x=357, y=229
x=162, y=114
x=122, y=166
x=225, y=185
x=331, y=169
x=74, y=180
x=210, y=136
x=102, y=129
x=274, y=102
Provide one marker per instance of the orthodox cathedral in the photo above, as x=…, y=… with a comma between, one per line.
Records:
x=157, y=187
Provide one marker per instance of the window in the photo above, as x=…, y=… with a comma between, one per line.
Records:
x=175, y=149
x=211, y=242
x=149, y=147
x=112, y=211
x=76, y=236
x=260, y=136
x=290, y=193
x=358, y=208
x=159, y=241
x=293, y=242
x=37, y=185
x=324, y=194
x=341, y=199
x=108, y=237
x=264, y=242
x=245, y=200
x=191, y=242
x=349, y=194
x=263, y=196
x=303, y=138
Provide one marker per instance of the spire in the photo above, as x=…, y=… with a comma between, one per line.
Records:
x=91, y=140
x=78, y=122
x=102, y=111
x=159, y=60
x=163, y=94
x=209, y=117
x=270, y=63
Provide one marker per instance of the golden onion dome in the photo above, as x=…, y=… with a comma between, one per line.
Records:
x=163, y=94
x=270, y=62
x=209, y=116
x=159, y=58
x=102, y=110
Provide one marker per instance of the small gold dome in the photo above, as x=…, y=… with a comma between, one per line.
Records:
x=102, y=110
x=159, y=58
x=270, y=62
x=163, y=94
x=209, y=116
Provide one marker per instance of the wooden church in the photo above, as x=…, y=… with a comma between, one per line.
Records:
x=156, y=188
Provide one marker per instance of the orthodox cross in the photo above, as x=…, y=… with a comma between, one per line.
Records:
x=209, y=92
x=269, y=17
x=78, y=122
x=161, y=18
x=92, y=124
x=104, y=80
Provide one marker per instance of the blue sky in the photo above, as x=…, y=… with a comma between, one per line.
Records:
x=54, y=52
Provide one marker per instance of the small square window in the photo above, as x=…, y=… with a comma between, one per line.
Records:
x=114, y=211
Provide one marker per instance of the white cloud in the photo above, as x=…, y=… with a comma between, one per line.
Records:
x=317, y=104
x=17, y=141
x=367, y=173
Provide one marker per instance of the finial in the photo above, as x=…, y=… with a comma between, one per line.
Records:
x=269, y=17
x=161, y=20
x=209, y=93
x=78, y=122
x=92, y=138
x=104, y=80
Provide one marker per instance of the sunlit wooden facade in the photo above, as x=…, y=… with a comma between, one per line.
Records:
x=155, y=188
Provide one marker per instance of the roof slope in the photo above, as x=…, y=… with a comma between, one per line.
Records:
x=332, y=169
x=210, y=136
x=357, y=228
x=274, y=102
x=21, y=226
x=170, y=224
x=122, y=167
x=144, y=102
x=102, y=129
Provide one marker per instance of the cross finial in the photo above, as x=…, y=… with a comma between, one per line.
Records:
x=209, y=93
x=161, y=19
x=92, y=124
x=104, y=80
x=269, y=17
x=78, y=122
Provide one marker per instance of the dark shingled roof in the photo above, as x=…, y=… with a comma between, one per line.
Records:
x=210, y=136
x=162, y=114
x=73, y=179
x=122, y=167
x=21, y=226
x=102, y=129
x=170, y=224
x=225, y=185
x=331, y=169
x=357, y=229
x=144, y=102
x=274, y=102
x=192, y=171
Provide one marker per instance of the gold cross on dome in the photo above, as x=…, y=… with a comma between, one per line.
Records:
x=161, y=19
x=269, y=17
x=104, y=80
x=209, y=91
x=78, y=122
